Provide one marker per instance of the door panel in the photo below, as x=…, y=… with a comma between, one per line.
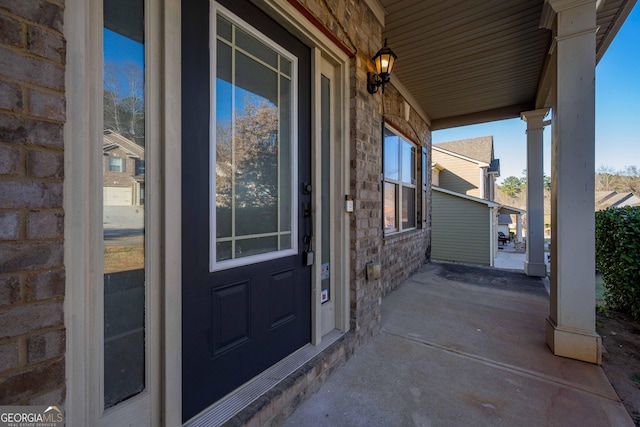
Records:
x=246, y=293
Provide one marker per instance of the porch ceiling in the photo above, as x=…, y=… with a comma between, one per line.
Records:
x=469, y=62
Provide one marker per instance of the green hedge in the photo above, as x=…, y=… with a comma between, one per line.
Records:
x=618, y=257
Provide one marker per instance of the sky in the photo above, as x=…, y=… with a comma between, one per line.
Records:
x=617, y=113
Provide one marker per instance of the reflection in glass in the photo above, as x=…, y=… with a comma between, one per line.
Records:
x=254, y=151
x=408, y=207
x=391, y=163
x=408, y=160
x=123, y=151
x=389, y=205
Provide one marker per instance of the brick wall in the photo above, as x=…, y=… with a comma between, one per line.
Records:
x=355, y=25
x=404, y=253
x=32, y=283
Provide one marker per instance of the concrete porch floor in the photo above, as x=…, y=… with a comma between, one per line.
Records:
x=463, y=346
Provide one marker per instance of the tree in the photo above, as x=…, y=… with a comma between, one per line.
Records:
x=630, y=179
x=512, y=186
x=124, y=100
x=605, y=178
x=546, y=182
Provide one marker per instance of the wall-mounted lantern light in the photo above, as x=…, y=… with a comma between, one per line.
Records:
x=384, y=61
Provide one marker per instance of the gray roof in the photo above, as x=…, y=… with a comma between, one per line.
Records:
x=480, y=148
x=504, y=219
x=111, y=139
x=615, y=200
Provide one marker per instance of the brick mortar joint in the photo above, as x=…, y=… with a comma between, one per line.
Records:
x=28, y=85
x=31, y=179
x=25, y=303
x=23, y=20
x=21, y=50
x=43, y=149
x=27, y=368
x=19, y=115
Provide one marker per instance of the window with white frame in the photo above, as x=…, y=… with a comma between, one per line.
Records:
x=116, y=164
x=399, y=183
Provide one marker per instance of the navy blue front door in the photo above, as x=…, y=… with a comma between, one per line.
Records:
x=246, y=293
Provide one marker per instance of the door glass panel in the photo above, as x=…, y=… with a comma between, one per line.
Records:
x=254, y=146
x=123, y=144
x=256, y=48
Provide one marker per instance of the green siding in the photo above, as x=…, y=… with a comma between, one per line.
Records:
x=460, y=230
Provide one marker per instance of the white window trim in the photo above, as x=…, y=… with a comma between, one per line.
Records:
x=83, y=217
x=389, y=231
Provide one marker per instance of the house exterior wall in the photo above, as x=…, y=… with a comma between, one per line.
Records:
x=461, y=230
x=32, y=274
x=459, y=175
x=403, y=253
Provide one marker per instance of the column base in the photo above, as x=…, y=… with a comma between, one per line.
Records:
x=583, y=346
x=535, y=269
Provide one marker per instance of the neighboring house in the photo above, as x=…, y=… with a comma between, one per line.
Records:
x=464, y=176
x=123, y=171
x=467, y=166
x=612, y=199
x=283, y=196
x=504, y=223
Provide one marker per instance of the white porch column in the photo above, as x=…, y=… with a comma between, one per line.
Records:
x=518, y=228
x=534, y=264
x=571, y=323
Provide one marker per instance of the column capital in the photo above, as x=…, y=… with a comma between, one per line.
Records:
x=534, y=117
x=560, y=5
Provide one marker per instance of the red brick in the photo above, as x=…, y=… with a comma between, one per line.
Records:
x=45, y=164
x=33, y=70
x=45, y=224
x=45, y=285
x=24, y=384
x=32, y=194
x=45, y=346
x=28, y=256
x=21, y=319
x=9, y=290
x=38, y=11
x=10, y=30
x=46, y=105
x=33, y=132
x=9, y=161
x=46, y=44
x=10, y=96
x=10, y=224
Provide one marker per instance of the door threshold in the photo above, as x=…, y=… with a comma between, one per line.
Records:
x=227, y=407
